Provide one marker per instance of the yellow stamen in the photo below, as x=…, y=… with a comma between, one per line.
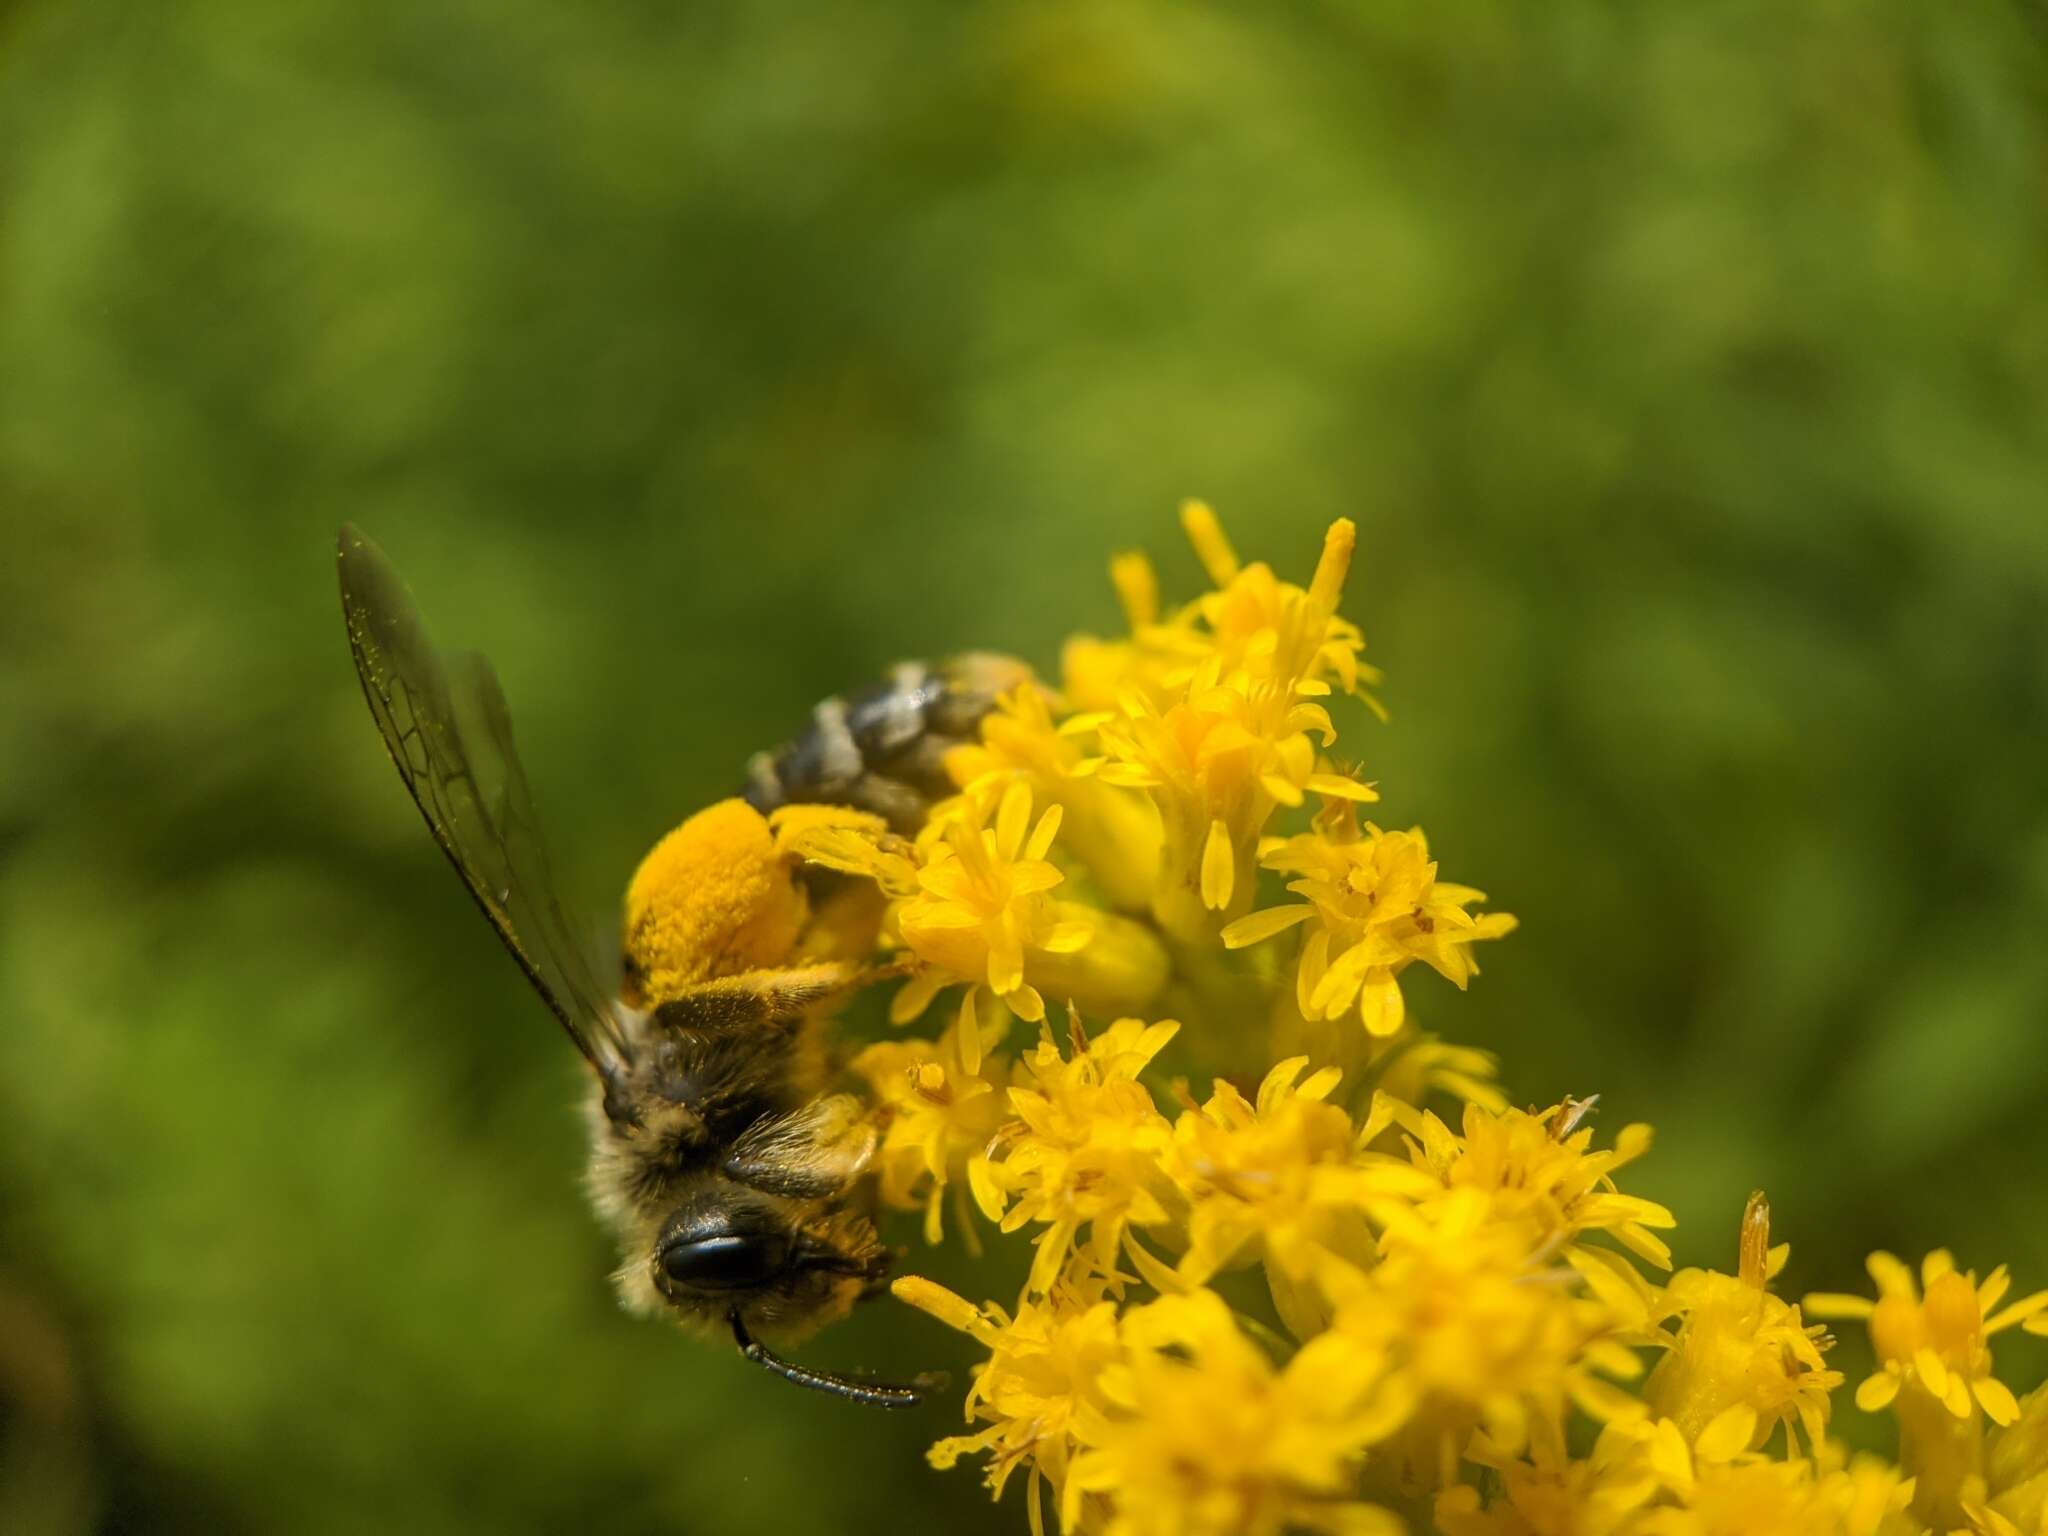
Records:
x=1137, y=588
x=1753, y=1266
x=1211, y=547
x=1328, y=583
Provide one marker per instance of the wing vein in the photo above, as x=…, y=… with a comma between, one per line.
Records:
x=444, y=722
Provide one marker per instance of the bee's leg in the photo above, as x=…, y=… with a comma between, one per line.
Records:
x=761, y=997
x=855, y=1389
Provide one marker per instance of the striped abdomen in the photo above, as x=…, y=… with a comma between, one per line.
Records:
x=883, y=749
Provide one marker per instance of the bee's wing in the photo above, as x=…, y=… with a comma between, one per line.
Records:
x=444, y=720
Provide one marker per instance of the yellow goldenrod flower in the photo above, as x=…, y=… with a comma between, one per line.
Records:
x=1216, y=718
x=1041, y=1383
x=1476, y=1331
x=1268, y=628
x=1114, y=834
x=1541, y=1168
x=1409, y=1066
x=981, y=902
x=1414, y=1064
x=1252, y=623
x=852, y=842
x=1205, y=1437
x=971, y=903
x=1875, y=1496
x=1085, y=1149
x=1462, y=1310
x=1935, y=1368
x=1094, y=673
x=1216, y=763
x=1548, y=1495
x=1275, y=1182
x=1644, y=1479
x=1937, y=1343
x=1377, y=907
x=936, y=1113
x=2016, y=1468
x=1715, y=1488
x=1741, y=1356
x=1984, y=1519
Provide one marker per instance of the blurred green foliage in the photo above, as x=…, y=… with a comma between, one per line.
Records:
x=1683, y=364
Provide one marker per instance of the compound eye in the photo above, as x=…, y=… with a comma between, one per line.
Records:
x=727, y=1263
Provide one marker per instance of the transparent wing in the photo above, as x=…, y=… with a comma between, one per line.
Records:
x=444, y=721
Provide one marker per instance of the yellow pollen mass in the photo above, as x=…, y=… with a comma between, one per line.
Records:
x=713, y=898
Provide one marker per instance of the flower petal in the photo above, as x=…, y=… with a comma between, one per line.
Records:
x=1219, y=868
x=1042, y=835
x=1876, y=1392
x=1257, y=927
x=2000, y=1406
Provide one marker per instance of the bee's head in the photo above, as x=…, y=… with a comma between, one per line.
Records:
x=782, y=1264
x=745, y=1262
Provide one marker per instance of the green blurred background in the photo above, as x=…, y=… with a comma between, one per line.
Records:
x=1684, y=364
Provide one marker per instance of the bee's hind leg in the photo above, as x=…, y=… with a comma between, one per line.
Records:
x=769, y=996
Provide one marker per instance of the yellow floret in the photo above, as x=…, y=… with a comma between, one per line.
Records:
x=712, y=899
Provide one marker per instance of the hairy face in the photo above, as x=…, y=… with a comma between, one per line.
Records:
x=785, y=1267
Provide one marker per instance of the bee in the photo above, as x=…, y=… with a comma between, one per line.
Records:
x=731, y=1177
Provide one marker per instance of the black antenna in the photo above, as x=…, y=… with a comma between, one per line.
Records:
x=854, y=1389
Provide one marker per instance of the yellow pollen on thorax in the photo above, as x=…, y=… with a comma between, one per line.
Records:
x=713, y=898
